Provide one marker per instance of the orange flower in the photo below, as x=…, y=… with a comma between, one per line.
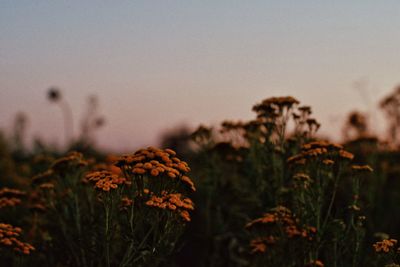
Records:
x=9, y=239
x=385, y=245
x=156, y=163
x=106, y=180
x=174, y=202
x=362, y=168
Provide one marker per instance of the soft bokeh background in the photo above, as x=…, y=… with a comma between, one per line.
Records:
x=158, y=64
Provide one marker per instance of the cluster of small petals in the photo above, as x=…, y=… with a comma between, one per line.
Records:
x=38, y=207
x=362, y=168
x=43, y=177
x=231, y=125
x=302, y=180
x=9, y=239
x=328, y=162
x=107, y=167
x=385, y=245
x=173, y=202
x=320, y=149
x=270, y=107
x=72, y=159
x=322, y=144
x=346, y=155
x=313, y=123
x=105, y=180
x=279, y=214
x=47, y=186
x=305, y=109
x=285, y=101
x=260, y=244
x=126, y=202
x=156, y=162
x=10, y=197
x=315, y=263
x=286, y=222
x=302, y=177
x=10, y=192
x=9, y=202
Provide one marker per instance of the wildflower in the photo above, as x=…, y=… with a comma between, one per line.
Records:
x=9, y=239
x=46, y=186
x=257, y=246
x=322, y=144
x=105, y=180
x=362, y=168
x=9, y=202
x=73, y=159
x=305, y=109
x=9, y=192
x=315, y=263
x=302, y=177
x=328, y=162
x=312, y=123
x=173, y=202
x=10, y=197
x=126, y=202
x=346, y=155
x=157, y=163
x=43, y=177
x=385, y=245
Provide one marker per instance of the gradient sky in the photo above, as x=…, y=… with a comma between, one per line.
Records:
x=156, y=64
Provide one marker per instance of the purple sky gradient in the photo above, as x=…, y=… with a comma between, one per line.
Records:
x=156, y=64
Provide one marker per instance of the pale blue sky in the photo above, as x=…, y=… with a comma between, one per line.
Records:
x=154, y=64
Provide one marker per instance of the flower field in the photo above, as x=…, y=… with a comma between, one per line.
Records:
x=264, y=192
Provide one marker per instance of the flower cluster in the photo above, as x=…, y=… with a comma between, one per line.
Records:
x=8, y=239
x=315, y=263
x=73, y=159
x=126, y=202
x=270, y=105
x=105, y=180
x=362, y=168
x=320, y=149
x=9, y=202
x=302, y=180
x=10, y=197
x=173, y=202
x=260, y=244
x=385, y=245
x=156, y=162
x=281, y=219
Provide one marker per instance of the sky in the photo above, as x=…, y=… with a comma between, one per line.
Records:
x=155, y=65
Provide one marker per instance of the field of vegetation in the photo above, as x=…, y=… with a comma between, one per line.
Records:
x=265, y=192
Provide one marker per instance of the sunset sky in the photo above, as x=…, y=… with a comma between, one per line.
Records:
x=157, y=64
